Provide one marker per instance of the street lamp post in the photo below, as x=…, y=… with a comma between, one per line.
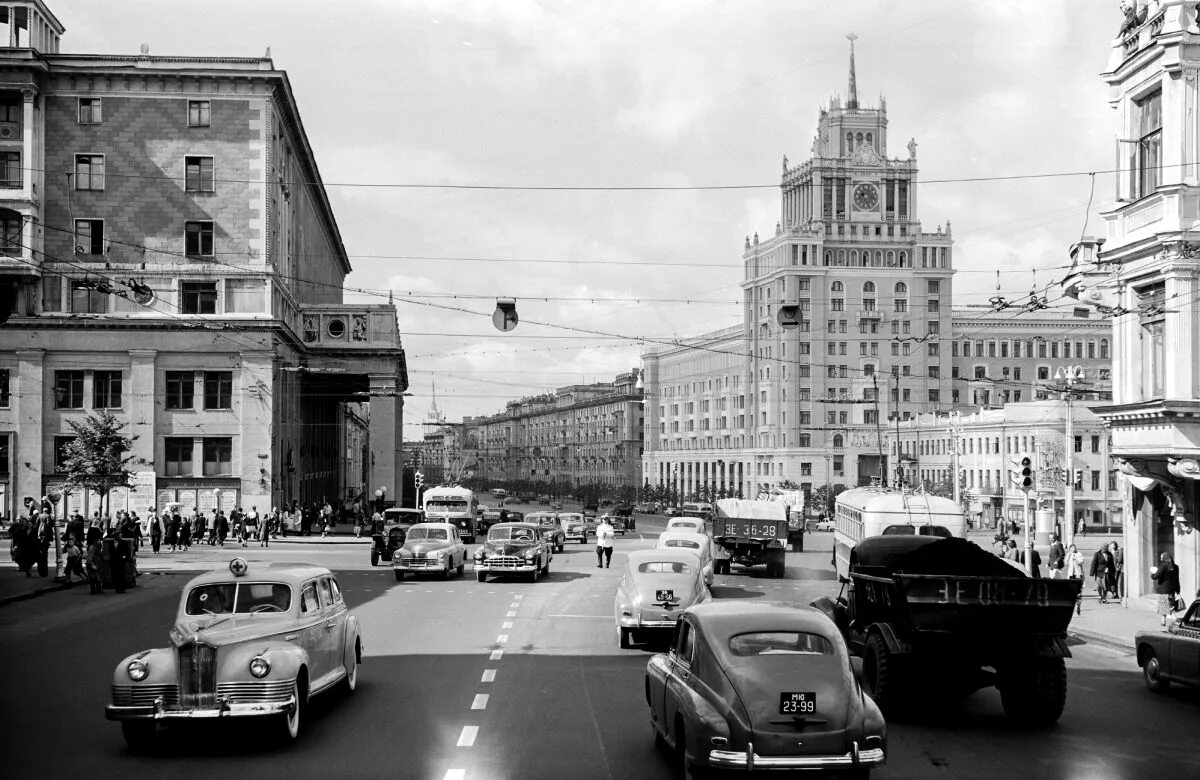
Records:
x=53, y=495
x=1068, y=376
x=380, y=493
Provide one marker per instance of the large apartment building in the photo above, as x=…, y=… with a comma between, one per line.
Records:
x=169, y=254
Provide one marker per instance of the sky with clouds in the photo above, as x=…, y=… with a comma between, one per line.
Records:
x=643, y=94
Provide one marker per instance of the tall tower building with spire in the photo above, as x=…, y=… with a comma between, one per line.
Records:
x=845, y=309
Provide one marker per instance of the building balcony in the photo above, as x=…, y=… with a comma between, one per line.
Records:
x=20, y=264
x=349, y=326
x=870, y=314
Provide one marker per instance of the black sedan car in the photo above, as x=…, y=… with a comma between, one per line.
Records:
x=1171, y=656
x=762, y=686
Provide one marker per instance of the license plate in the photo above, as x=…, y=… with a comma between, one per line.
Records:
x=797, y=702
x=664, y=595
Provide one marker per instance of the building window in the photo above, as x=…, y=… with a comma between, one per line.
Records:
x=5, y=397
x=11, y=238
x=89, y=236
x=89, y=111
x=181, y=390
x=178, y=454
x=218, y=457
x=198, y=240
x=935, y=395
x=198, y=297
x=934, y=372
x=198, y=174
x=12, y=108
x=85, y=299
x=1153, y=335
x=934, y=348
x=10, y=170
x=198, y=113
x=89, y=171
x=68, y=389
x=60, y=452
x=106, y=390
x=218, y=389
x=1147, y=164
x=838, y=441
x=1104, y=349
x=839, y=461
x=837, y=304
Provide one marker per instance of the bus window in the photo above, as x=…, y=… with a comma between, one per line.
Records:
x=899, y=530
x=935, y=530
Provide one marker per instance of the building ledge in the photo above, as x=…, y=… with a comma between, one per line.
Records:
x=1155, y=410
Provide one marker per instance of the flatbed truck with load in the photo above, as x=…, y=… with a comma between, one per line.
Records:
x=749, y=533
x=937, y=619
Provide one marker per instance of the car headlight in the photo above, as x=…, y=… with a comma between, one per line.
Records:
x=259, y=666
x=137, y=670
x=530, y=555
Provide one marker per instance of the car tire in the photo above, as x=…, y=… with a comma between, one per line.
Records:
x=533, y=575
x=659, y=742
x=351, y=681
x=138, y=734
x=1033, y=690
x=481, y=576
x=1152, y=673
x=399, y=575
x=546, y=568
x=625, y=640
x=884, y=676
x=289, y=723
x=374, y=557
x=461, y=568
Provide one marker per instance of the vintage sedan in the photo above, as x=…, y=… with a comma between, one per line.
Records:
x=513, y=548
x=701, y=544
x=656, y=586
x=389, y=538
x=693, y=524
x=1173, y=655
x=576, y=526
x=431, y=547
x=251, y=641
x=760, y=686
x=552, y=528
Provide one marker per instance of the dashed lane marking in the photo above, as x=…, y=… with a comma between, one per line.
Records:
x=506, y=624
x=496, y=655
x=489, y=675
x=502, y=639
x=605, y=617
x=512, y=613
x=468, y=735
x=456, y=774
x=479, y=702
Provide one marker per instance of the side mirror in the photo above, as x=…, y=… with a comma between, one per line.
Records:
x=843, y=579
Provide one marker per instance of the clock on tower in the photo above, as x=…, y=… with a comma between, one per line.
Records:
x=866, y=197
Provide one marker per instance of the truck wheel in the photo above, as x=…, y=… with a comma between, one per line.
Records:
x=1151, y=673
x=1033, y=691
x=883, y=674
x=374, y=557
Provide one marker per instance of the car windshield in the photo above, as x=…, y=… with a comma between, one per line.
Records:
x=446, y=505
x=682, y=543
x=510, y=535
x=664, y=567
x=780, y=643
x=234, y=597
x=686, y=525
x=427, y=533
x=572, y=518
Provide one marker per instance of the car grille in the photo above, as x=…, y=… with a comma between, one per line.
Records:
x=144, y=695
x=505, y=562
x=256, y=691
x=198, y=675
x=422, y=563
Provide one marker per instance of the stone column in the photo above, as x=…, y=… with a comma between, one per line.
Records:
x=1182, y=376
x=385, y=436
x=28, y=131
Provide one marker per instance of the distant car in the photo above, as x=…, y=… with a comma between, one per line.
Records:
x=646, y=509
x=248, y=641
x=431, y=547
x=543, y=499
x=825, y=525
x=656, y=586
x=799, y=706
x=556, y=506
x=701, y=544
x=694, y=524
x=576, y=526
x=513, y=548
x=387, y=540
x=618, y=523
x=552, y=528
x=671, y=511
x=1171, y=656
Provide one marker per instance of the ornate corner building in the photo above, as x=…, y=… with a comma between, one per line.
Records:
x=1145, y=274
x=168, y=252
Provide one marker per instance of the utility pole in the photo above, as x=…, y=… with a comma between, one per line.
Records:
x=1028, y=533
x=1068, y=376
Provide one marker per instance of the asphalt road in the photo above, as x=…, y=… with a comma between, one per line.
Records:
x=511, y=680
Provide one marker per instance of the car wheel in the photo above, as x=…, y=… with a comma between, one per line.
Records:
x=399, y=575
x=481, y=576
x=374, y=557
x=533, y=575
x=1151, y=673
x=288, y=727
x=461, y=568
x=139, y=734
x=883, y=674
x=546, y=568
x=625, y=640
x=352, y=667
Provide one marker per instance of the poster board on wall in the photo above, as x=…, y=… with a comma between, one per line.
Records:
x=207, y=502
x=141, y=492
x=229, y=500
x=187, y=502
x=118, y=500
x=165, y=497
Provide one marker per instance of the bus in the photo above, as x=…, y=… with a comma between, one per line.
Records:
x=500, y=493
x=875, y=511
x=456, y=505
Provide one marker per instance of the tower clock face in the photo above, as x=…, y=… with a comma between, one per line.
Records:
x=866, y=197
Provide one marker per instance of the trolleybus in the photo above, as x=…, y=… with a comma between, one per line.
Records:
x=875, y=511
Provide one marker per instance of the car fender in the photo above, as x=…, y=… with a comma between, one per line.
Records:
x=352, y=634
x=286, y=660
x=161, y=667
x=702, y=721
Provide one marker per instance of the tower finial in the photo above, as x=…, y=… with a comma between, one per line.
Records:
x=852, y=96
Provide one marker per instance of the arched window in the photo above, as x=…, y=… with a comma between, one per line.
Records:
x=849, y=142
x=869, y=288
x=901, y=288
x=828, y=257
x=891, y=258
x=858, y=139
x=904, y=259
x=878, y=259
x=870, y=139
x=854, y=257
x=1103, y=349
x=837, y=287
x=841, y=257
x=837, y=441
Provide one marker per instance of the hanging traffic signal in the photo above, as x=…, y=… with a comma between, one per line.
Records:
x=1026, y=473
x=418, y=479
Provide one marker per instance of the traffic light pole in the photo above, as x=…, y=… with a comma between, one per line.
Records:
x=1028, y=533
x=1068, y=529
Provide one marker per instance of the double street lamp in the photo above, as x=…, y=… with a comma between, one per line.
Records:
x=1067, y=376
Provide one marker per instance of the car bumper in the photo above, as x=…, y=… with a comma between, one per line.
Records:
x=500, y=568
x=418, y=565
x=580, y=537
x=751, y=761
x=160, y=711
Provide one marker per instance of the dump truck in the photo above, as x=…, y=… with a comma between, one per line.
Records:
x=749, y=533
x=936, y=619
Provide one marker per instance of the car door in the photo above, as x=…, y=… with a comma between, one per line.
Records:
x=341, y=613
x=677, y=696
x=657, y=670
x=1185, y=649
x=332, y=626
x=312, y=628
x=458, y=554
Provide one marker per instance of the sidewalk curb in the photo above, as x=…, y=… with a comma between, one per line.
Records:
x=1088, y=636
x=31, y=594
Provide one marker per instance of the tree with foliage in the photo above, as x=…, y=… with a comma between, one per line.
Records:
x=824, y=496
x=98, y=457
x=943, y=488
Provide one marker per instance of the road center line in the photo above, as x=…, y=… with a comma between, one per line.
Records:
x=480, y=701
x=467, y=737
x=496, y=655
x=456, y=774
x=604, y=617
x=512, y=613
x=489, y=675
x=502, y=639
x=506, y=624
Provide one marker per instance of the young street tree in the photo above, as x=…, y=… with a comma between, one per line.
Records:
x=98, y=458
